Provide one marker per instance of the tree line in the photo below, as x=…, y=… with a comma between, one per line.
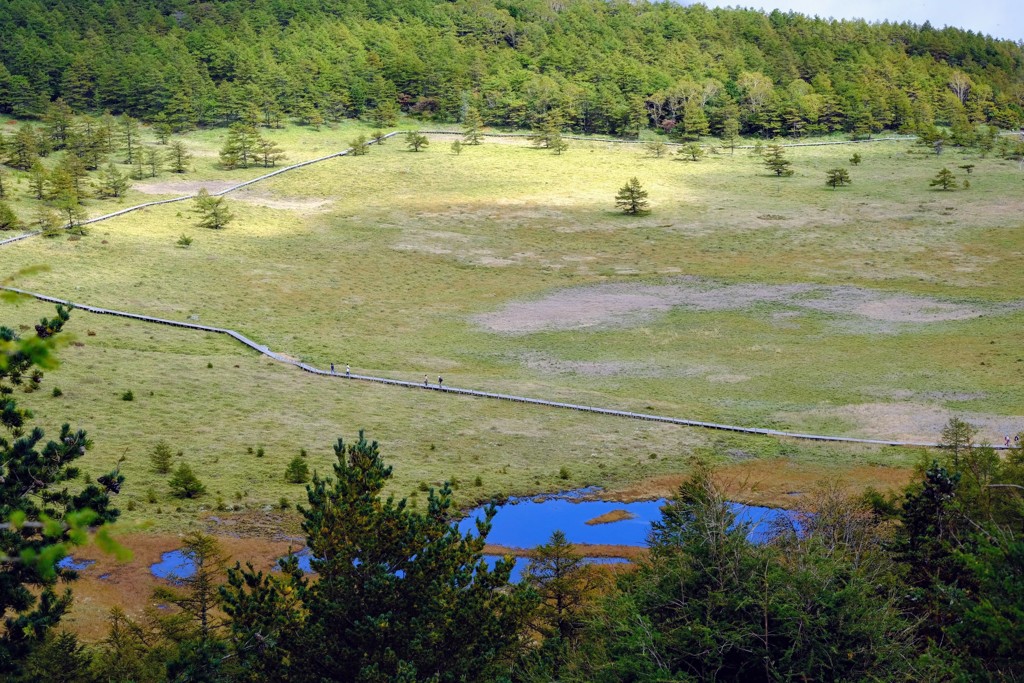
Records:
x=926, y=583
x=604, y=67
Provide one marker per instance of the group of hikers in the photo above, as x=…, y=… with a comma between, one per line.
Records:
x=426, y=381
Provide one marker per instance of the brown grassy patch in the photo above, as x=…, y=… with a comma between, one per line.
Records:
x=130, y=585
x=628, y=552
x=611, y=517
x=772, y=482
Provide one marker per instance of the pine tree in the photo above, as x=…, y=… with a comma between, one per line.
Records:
x=269, y=152
x=162, y=129
x=240, y=148
x=359, y=146
x=457, y=146
x=73, y=173
x=632, y=198
x=178, y=156
x=297, y=471
x=8, y=219
x=59, y=121
x=160, y=457
x=837, y=177
x=34, y=486
x=945, y=180
x=400, y=594
x=656, y=148
x=154, y=161
x=212, y=211
x=113, y=183
x=3, y=182
x=71, y=212
x=385, y=114
x=472, y=127
x=130, y=134
x=416, y=141
x=776, y=161
x=694, y=150
x=38, y=179
x=185, y=484
x=695, y=122
x=547, y=131
x=24, y=148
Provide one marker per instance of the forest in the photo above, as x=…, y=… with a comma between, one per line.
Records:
x=605, y=67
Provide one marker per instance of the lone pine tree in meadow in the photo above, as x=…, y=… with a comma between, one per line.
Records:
x=212, y=211
x=416, y=141
x=944, y=180
x=776, y=162
x=837, y=177
x=178, y=156
x=632, y=198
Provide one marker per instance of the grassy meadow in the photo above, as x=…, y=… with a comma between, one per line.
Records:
x=876, y=310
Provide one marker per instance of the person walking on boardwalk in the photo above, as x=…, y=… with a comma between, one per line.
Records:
x=348, y=370
x=440, y=382
x=425, y=382
x=332, y=368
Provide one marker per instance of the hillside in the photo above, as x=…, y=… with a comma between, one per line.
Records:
x=608, y=67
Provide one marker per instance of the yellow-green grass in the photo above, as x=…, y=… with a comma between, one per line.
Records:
x=215, y=414
x=382, y=261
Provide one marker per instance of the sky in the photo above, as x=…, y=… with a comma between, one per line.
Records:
x=997, y=18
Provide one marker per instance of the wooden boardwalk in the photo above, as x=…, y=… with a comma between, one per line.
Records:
x=455, y=391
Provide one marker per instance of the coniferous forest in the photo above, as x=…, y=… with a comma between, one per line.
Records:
x=606, y=67
x=921, y=582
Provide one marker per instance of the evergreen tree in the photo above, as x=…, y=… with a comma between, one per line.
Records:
x=154, y=161
x=547, y=131
x=23, y=148
x=695, y=122
x=160, y=458
x=632, y=198
x=837, y=177
x=240, y=148
x=269, y=152
x=567, y=586
x=185, y=484
x=400, y=594
x=70, y=173
x=415, y=141
x=776, y=162
x=693, y=150
x=472, y=127
x=3, y=182
x=178, y=156
x=59, y=121
x=35, y=486
x=297, y=471
x=360, y=146
x=457, y=146
x=8, y=219
x=385, y=114
x=130, y=137
x=656, y=148
x=113, y=183
x=162, y=129
x=212, y=211
x=945, y=180
x=38, y=179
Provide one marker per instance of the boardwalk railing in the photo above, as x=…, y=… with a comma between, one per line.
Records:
x=417, y=385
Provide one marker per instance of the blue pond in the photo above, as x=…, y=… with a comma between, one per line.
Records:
x=173, y=565
x=521, y=562
x=529, y=522
x=76, y=565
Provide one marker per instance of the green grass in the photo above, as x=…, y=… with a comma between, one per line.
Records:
x=382, y=261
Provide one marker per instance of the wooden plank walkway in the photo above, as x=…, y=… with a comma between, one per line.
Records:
x=458, y=391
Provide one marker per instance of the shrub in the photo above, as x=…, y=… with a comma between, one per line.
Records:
x=57, y=393
x=478, y=481
x=184, y=242
x=161, y=458
x=150, y=496
x=128, y=396
x=297, y=471
x=185, y=484
x=283, y=503
x=563, y=473
x=260, y=452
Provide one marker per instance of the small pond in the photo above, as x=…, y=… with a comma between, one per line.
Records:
x=76, y=565
x=173, y=565
x=529, y=522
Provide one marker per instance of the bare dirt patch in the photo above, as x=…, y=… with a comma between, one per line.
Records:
x=622, y=304
x=910, y=421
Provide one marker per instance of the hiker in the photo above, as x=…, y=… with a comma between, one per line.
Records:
x=332, y=368
x=348, y=370
x=425, y=383
x=1006, y=440
x=439, y=382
